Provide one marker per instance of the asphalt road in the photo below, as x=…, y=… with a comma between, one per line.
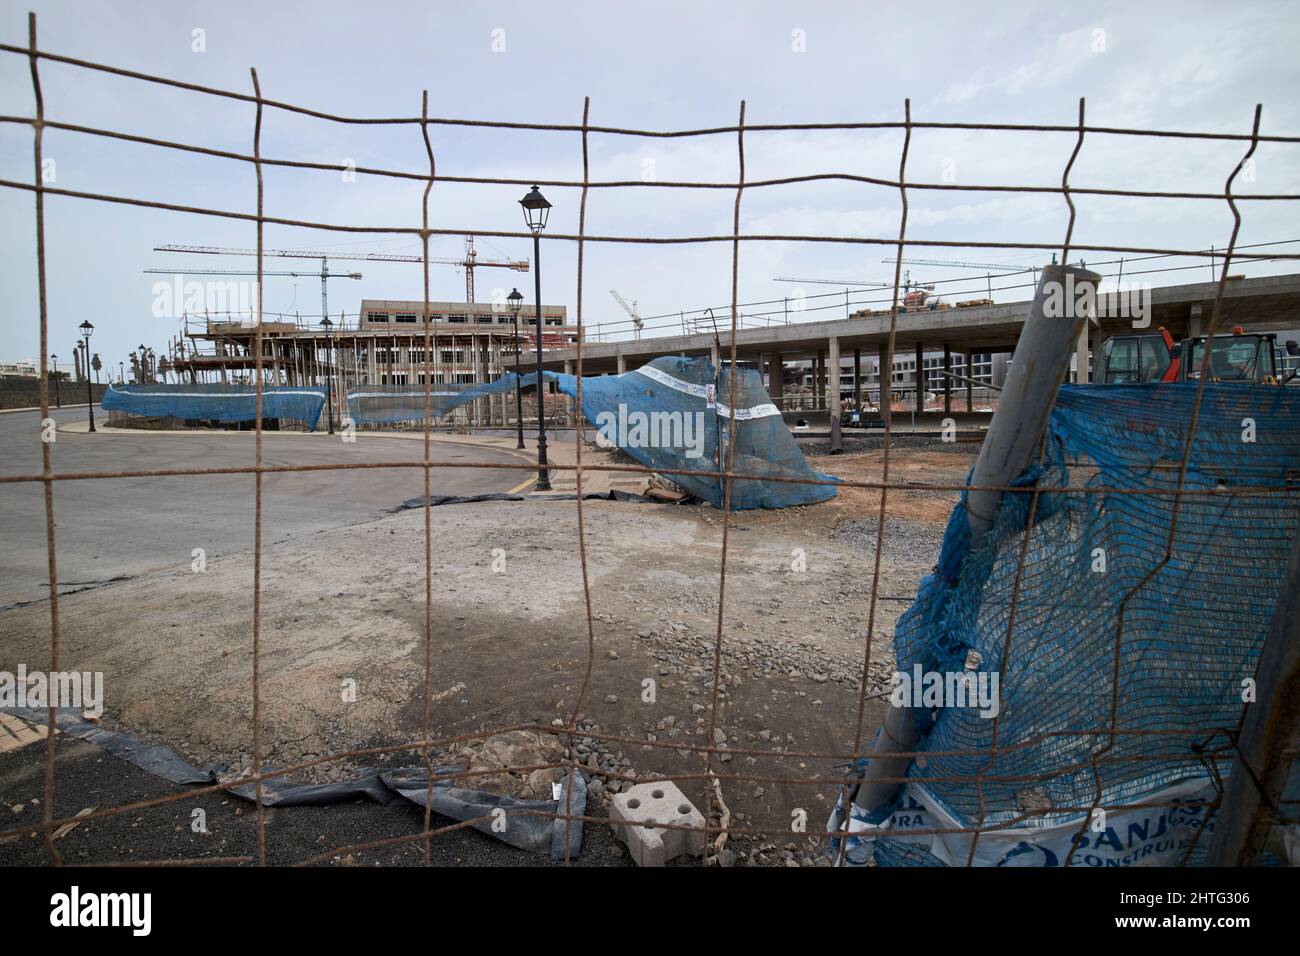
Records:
x=107, y=528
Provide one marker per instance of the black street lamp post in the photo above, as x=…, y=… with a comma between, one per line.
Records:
x=536, y=211
x=58, y=400
x=516, y=300
x=86, y=329
x=325, y=324
x=146, y=365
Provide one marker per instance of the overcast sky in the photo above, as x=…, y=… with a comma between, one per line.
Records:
x=666, y=65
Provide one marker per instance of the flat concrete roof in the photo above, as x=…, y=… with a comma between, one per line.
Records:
x=1264, y=303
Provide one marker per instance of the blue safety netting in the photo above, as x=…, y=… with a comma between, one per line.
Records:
x=670, y=414
x=393, y=404
x=220, y=403
x=1102, y=620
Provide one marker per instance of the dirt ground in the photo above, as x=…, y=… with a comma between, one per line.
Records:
x=509, y=638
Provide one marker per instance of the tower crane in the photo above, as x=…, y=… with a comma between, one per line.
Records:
x=908, y=285
x=468, y=262
x=959, y=264
x=845, y=282
x=999, y=267
x=637, y=322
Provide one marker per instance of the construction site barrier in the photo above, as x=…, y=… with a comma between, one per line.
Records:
x=665, y=415
x=1088, y=735
x=217, y=403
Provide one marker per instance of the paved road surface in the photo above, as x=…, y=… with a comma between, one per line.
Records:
x=110, y=527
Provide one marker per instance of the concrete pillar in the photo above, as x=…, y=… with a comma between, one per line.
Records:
x=1195, y=321
x=1081, y=357
x=886, y=364
x=568, y=399
x=476, y=366
x=622, y=364
x=819, y=379
x=833, y=376
x=1097, y=338
x=857, y=379
x=970, y=383
x=920, y=377
x=776, y=378
x=947, y=379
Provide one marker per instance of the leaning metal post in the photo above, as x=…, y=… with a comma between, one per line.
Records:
x=1253, y=791
x=1038, y=367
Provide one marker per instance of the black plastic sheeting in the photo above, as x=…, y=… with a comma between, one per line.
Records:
x=612, y=495
x=526, y=824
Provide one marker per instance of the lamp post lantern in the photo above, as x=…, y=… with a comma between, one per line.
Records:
x=516, y=300
x=86, y=329
x=325, y=324
x=58, y=400
x=536, y=211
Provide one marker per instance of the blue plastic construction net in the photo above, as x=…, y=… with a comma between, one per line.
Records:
x=216, y=403
x=393, y=404
x=1123, y=667
x=671, y=414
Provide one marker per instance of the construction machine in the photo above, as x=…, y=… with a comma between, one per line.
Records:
x=1237, y=356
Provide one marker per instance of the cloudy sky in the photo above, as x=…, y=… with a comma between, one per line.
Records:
x=666, y=65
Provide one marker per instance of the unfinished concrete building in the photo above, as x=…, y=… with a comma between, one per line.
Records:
x=383, y=344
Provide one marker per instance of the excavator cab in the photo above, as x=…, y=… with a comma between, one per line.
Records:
x=1137, y=359
x=1237, y=357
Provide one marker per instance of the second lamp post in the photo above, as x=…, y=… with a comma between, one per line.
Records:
x=86, y=329
x=536, y=210
x=516, y=300
x=325, y=324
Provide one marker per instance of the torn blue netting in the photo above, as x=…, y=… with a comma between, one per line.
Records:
x=671, y=414
x=218, y=403
x=1098, y=603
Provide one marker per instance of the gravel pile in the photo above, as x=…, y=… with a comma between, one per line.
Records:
x=908, y=542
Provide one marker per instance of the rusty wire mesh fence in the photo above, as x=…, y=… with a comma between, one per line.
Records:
x=712, y=773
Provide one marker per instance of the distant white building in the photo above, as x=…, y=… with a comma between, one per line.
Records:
x=23, y=368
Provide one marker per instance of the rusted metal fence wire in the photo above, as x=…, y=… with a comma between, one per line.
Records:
x=711, y=770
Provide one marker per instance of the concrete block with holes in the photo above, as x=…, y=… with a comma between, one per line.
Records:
x=635, y=810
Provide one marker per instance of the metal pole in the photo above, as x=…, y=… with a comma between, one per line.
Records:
x=90, y=401
x=329, y=381
x=519, y=392
x=1253, y=792
x=543, y=478
x=1038, y=367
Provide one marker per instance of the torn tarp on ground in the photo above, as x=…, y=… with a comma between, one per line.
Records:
x=613, y=494
x=530, y=824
